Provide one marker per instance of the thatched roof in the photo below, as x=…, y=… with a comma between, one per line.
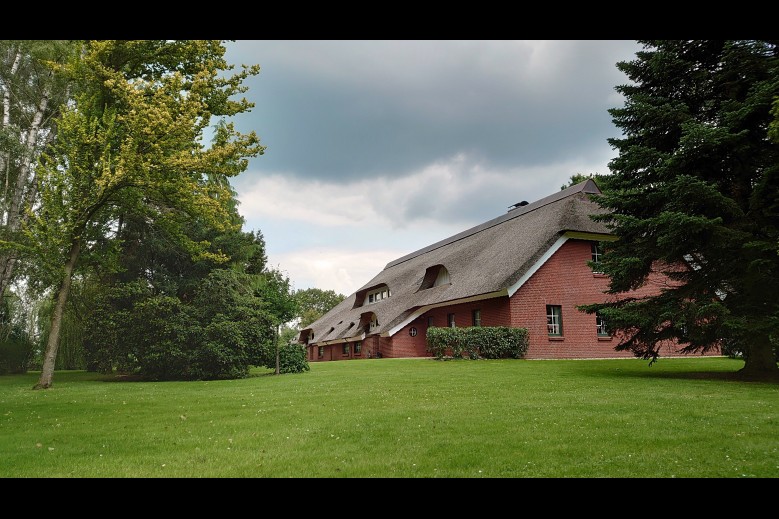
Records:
x=481, y=261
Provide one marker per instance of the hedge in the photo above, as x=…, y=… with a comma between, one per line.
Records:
x=478, y=342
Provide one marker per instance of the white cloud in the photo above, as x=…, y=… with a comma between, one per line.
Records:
x=362, y=225
x=338, y=269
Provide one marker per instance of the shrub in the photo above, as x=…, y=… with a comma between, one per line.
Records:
x=478, y=342
x=15, y=355
x=292, y=359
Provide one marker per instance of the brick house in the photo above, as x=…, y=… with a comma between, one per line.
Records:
x=527, y=268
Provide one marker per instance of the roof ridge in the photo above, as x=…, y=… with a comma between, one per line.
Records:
x=588, y=186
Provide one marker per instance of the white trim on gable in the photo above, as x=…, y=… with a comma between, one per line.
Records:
x=537, y=265
x=554, y=248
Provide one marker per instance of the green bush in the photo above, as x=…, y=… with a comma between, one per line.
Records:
x=219, y=334
x=15, y=355
x=292, y=359
x=478, y=342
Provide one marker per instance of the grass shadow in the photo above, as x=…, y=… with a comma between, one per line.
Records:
x=719, y=376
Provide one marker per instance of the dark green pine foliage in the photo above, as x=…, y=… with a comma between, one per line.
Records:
x=694, y=194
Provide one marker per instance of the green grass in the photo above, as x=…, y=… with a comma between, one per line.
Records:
x=401, y=418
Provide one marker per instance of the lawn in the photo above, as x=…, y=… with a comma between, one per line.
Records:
x=410, y=418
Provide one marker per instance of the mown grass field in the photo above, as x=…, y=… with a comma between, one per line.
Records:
x=409, y=418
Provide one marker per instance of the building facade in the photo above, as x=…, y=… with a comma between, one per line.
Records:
x=529, y=268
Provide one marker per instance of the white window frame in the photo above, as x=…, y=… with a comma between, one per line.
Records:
x=595, y=255
x=554, y=320
x=600, y=327
x=374, y=296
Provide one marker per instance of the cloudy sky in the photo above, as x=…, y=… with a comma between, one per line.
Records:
x=378, y=148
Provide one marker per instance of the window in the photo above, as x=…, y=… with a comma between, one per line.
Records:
x=321, y=351
x=374, y=323
x=374, y=296
x=357, y=348
x=600, y=324
x=412, y=331
x=450, y=320
x=442, y=278
x=554, y=320
x=430, y=322
x=596, y=251
x=435, y=276
x=346, y=348
x=477, y=317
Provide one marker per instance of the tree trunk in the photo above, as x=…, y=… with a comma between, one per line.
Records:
x=760, y=359
x=5, y=159
x=50, y=356
x=276, y=341
x=23, y=192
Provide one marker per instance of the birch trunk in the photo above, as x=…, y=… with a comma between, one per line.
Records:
x=23, y=192
x=50, y=356
x=5, y=158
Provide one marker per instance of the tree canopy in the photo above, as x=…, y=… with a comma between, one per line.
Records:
x=694, y=195
x=313, y=303
x=130, y=142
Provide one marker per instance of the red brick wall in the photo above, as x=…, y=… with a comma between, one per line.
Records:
x=335, y=352
x=567, y=281
x=494, y=312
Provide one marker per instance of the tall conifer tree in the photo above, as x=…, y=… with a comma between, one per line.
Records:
x=696, y=183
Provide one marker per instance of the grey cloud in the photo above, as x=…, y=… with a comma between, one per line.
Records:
x=386, y=121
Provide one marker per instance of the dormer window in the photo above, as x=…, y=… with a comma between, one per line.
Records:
x=369, y=322
x=306, y=336
x=442, y=278
x=378, y=294
x=435, y=276
x=370, y=295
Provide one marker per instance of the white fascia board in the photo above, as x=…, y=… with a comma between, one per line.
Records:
x=538, y=264
x=395, y=329
x=568, y=235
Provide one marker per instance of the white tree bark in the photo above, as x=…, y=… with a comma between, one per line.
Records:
x=26, y=97
x=5, y=158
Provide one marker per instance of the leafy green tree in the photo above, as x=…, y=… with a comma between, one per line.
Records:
x=275, y=288
x=313, y=303
x=694, y=195
x=32, y=93
x=130, y=143
x=222, y=316
x=603, y=181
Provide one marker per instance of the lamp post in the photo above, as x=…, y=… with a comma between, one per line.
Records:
x=276, y=333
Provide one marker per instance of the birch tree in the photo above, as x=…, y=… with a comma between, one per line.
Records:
x=32, y=92
x=132, y=142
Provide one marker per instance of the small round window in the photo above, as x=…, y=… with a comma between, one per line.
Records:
x=412, y=331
